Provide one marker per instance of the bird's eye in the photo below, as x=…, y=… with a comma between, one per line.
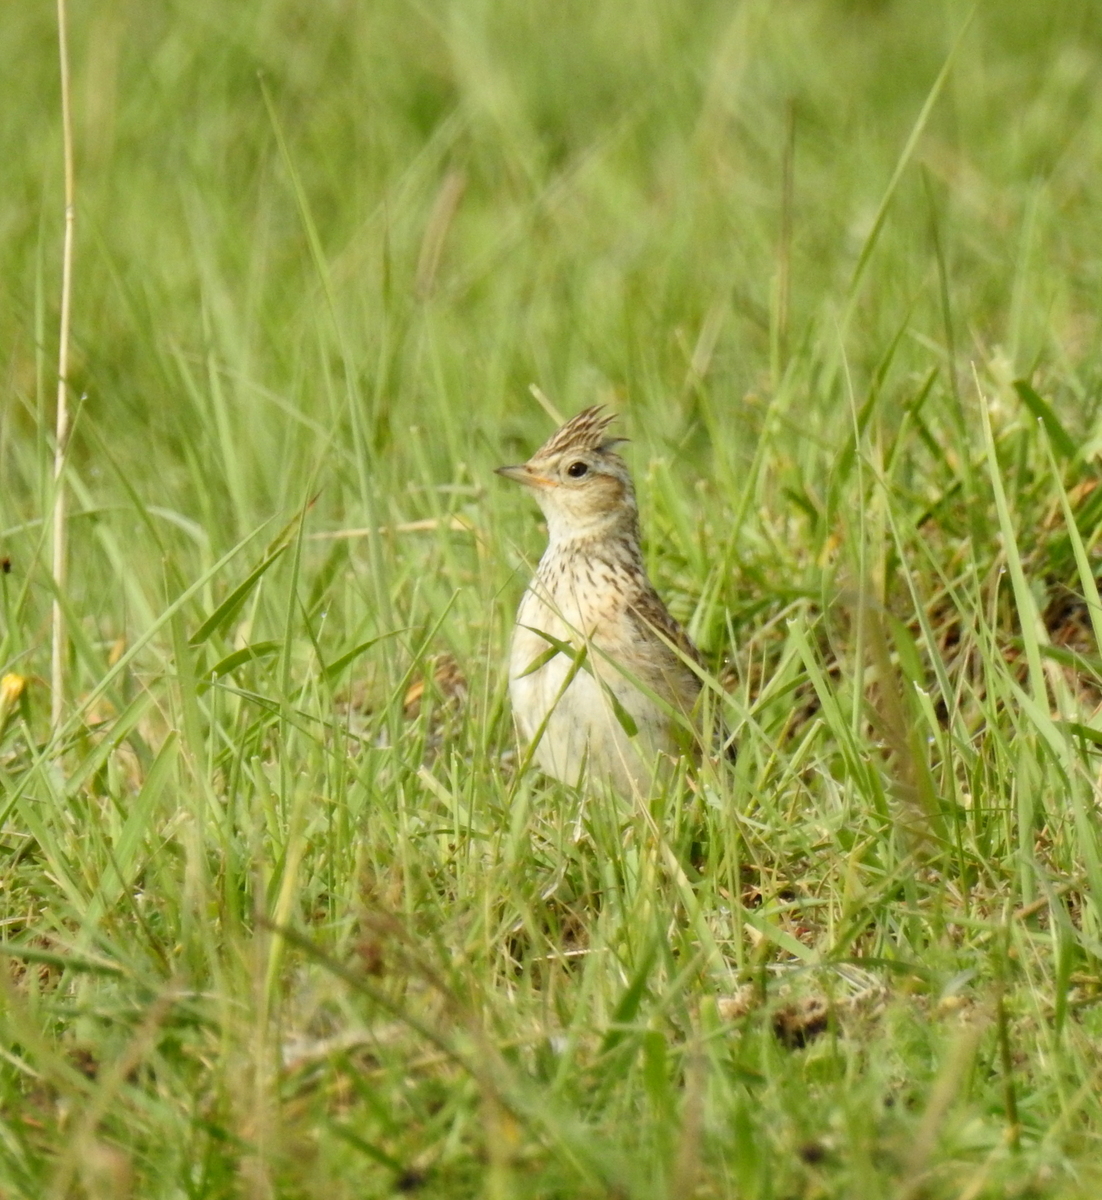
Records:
x=576, y=470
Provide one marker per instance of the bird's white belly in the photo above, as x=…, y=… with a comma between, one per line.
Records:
x=582, y=733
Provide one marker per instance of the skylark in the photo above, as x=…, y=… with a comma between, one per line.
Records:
x=601, y=677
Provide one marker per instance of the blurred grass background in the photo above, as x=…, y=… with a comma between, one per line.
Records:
x=837, y=264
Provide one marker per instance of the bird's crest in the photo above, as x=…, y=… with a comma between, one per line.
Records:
x=586, y=431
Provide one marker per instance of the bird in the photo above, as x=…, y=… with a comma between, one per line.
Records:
x=605, y=685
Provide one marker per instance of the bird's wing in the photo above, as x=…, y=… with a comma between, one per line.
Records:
x=652, y=617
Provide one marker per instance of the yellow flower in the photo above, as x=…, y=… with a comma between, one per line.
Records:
x=11, y=688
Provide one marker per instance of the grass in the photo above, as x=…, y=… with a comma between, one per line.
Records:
x=270, y=927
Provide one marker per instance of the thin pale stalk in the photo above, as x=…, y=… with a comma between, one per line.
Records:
x=61, y=434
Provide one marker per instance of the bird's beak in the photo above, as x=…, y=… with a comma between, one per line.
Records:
x=524, y=474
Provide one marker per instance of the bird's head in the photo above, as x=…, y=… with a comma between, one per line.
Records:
x=579, y=480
